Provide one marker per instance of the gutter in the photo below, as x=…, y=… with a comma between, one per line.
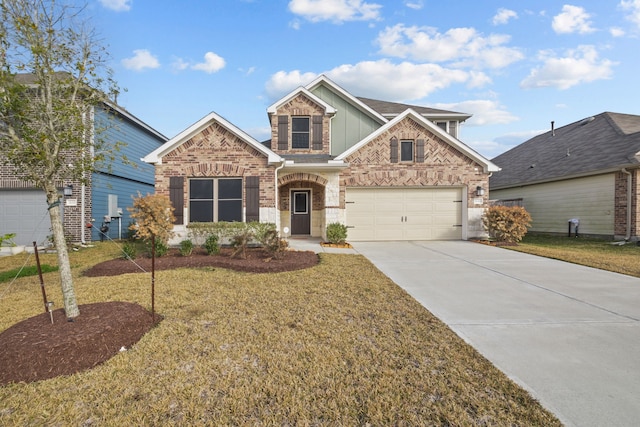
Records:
x=629, y=204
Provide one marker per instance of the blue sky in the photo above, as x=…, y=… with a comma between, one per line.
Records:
x=516, y=65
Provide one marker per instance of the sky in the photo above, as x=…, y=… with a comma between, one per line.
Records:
x=515, y=65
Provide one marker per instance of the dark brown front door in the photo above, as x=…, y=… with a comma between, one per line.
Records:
x=301, y=212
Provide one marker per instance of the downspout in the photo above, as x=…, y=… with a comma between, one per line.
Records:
x=277, y=195
x=629, y=204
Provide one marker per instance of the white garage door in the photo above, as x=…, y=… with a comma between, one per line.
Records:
x=404, y=214
x=24, y=213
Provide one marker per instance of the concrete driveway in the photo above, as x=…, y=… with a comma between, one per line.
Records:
x=568, y=334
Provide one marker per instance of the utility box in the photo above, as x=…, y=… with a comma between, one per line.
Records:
x=574, y=223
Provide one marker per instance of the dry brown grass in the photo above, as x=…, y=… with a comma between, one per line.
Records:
x=596, y=253
x=337, y=344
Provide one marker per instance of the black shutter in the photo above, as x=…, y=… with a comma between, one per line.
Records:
x=283, y=133
x=420, y=151
x=394, y=150
x=176, y=196
x=252, y=191
x=317, y=132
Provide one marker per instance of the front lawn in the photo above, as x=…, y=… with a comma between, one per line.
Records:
x=602, y=254
x=336, y=344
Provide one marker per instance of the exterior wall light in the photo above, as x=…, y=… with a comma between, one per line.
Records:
x=479, y=191
x=67, y=190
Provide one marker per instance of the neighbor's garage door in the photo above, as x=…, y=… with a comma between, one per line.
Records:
x=404, y=214
x=25, y=213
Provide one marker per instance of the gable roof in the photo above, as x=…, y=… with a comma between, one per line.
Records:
x=156, y=155
x=456, y=143
x=328, y=109
x=392, y=109
x=598, y=144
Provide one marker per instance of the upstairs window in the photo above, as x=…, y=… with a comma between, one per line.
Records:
x=300, y=132
x=406, y=151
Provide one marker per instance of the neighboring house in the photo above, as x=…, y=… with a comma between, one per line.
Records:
x=23, y=208
x=388, y=171
x=587, y=170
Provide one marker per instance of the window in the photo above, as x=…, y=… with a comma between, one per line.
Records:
x=406, y=151
x=215, y=199
x=300, y=132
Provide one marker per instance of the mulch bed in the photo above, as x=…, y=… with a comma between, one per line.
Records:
x=35, y=349
x=257, y=261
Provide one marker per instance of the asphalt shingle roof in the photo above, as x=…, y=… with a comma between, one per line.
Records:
x=595, y=144
x=394, y=108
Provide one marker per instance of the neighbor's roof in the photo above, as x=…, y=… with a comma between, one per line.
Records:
x=392, y=109
x=598, y=144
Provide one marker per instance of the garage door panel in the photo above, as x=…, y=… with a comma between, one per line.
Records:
x=404, y=214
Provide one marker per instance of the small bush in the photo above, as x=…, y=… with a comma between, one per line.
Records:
x=506, y=223
x=186, y=247
x=337, y=233
x=240, y=241
x=273, y=244
x=211, y=245
x=161, y=248
x=129, y=250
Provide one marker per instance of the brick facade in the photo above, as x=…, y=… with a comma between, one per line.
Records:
x=301, y=105
x=620, y=221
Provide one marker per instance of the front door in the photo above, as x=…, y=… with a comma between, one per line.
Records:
x=301, y=212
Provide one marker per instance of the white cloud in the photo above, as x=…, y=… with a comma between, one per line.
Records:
x=485, y=112
x=179, y=64
x=415, y=4
x=616, y=32
x=463, y=46
x=335, y=10
x=379, y=79
x=141, y=60
x=572, y=19
x=633, y=6
x=212, y=63
x=503, y=16
x=117, y=5
x=580, y=65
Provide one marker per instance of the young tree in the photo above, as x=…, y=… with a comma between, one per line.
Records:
x=52, y=74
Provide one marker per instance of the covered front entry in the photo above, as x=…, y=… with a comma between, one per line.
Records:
x=404, y=213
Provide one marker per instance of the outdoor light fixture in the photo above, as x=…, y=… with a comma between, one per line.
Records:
x=479, y=191
x=67, y=190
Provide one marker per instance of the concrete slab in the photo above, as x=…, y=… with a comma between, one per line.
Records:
x=568, y=334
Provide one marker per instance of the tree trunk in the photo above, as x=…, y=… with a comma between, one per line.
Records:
x=64, y=266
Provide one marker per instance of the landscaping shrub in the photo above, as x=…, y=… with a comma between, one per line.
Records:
x=240, y=242
x=161, y=248
x=129, y=250
x=186, y=247
x=337, y=233
x=273, y=244
x=211, y=245
x=506, y=223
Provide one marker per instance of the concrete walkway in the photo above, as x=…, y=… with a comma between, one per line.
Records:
x=568, y=334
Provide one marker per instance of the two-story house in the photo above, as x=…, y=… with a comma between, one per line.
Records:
x=102, y=201
x=388, y=171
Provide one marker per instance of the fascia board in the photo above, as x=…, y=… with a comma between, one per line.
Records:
x=322, y=79
x=486, y=163
x=273, y=108
x=156, y=155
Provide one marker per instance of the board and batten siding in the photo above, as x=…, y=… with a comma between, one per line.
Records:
x=551, y=205
x=349, y=125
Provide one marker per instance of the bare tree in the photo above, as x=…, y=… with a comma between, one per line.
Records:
x=53, y=73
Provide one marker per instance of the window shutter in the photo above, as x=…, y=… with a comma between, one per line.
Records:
x=317, y=132
x=252, y=191
x=394, y=150
x=420, y=151
x=176, y=196
x=283, y=132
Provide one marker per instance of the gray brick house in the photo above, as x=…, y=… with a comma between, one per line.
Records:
x=388, y=171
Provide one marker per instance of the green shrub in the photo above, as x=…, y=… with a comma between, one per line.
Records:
x=273, y=244
x=240, y=241
x=506, y=223
x=129, y=250
x=161, y=248
x=186, y=247
x=211, y=245
x=337, y=233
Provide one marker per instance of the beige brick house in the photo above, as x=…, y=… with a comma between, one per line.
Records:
x=388, y=171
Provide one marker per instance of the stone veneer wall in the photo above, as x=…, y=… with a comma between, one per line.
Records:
x=216, y=152
x=620, y=221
